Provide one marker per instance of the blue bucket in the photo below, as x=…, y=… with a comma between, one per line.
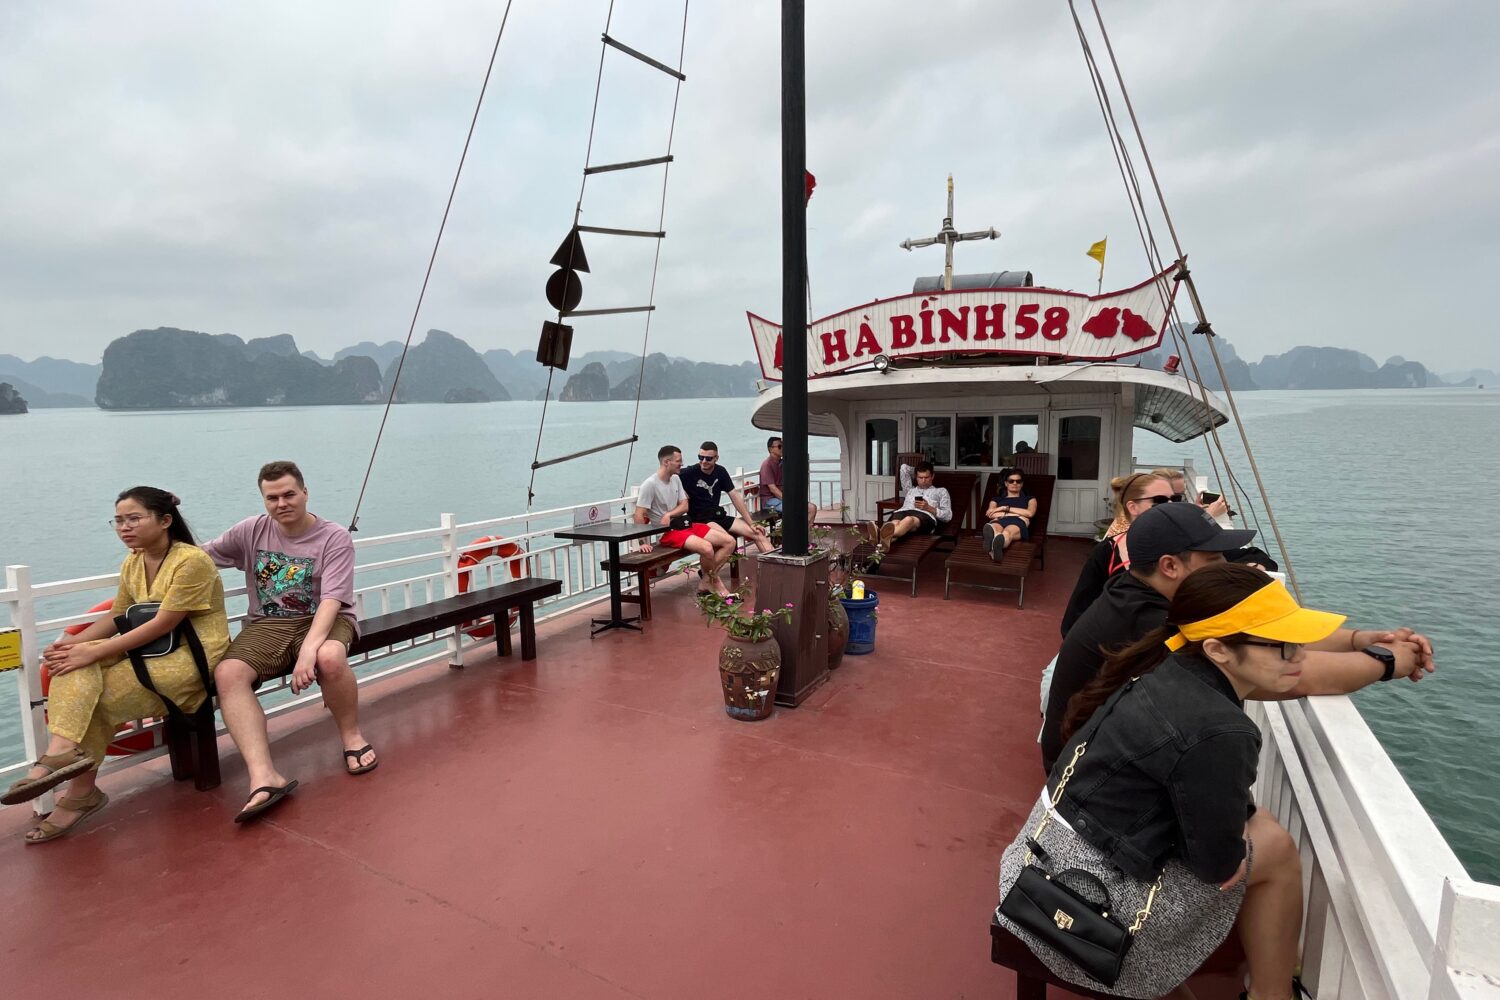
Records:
x=861, y=623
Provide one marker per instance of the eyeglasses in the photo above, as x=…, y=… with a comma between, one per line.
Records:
x=1178, y=498
x=1152, y=500
x=128, y=521
x=708, y=458
x=1289, y=650
x=1016, y=480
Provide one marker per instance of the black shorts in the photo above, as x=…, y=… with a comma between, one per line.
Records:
x=927, y=523
x=715, y=515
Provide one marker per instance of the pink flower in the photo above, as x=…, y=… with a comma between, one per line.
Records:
x=788, y=605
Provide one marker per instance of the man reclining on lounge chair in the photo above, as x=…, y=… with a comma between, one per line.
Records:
x=925, y=507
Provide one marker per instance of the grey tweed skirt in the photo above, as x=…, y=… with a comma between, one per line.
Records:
x=1189, y=919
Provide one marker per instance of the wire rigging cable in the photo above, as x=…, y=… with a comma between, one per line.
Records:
x=431, y=262
x=1133, y=192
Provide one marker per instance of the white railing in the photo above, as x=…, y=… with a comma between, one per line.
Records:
x=423, y=567
x=825, y=488
x=1390, y=911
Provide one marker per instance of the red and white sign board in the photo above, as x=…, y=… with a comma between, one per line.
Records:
x=1027, y=321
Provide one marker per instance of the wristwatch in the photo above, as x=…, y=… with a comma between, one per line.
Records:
x=1386, y=657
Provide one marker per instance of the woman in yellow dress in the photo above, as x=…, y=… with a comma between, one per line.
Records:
x=94, y=687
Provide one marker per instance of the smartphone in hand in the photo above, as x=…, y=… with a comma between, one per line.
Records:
x=1207, y=498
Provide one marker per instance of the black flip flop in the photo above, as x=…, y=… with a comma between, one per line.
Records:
x=273, y=799
x=355, y=755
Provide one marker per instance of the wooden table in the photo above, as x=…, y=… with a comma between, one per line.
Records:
x=613, y=533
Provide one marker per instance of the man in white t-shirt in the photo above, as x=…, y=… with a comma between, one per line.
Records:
x=661, y=499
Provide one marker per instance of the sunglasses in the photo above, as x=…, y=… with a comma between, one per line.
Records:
x=1289, y=650
x=1016, y=480
x=1154, y=500
x=708, y=458
x=1178, y=498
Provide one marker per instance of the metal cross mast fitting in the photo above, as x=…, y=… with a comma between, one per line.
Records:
x=949, y=236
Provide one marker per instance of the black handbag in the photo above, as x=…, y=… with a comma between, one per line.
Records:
x=1085, y=930
x=139, y=614
x=681, y=522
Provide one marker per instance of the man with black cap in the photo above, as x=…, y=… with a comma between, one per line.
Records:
x=1167, y=543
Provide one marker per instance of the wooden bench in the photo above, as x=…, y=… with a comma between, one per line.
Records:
x=1032, y=977
x=647, y=566
x=486, y=602
x=192, y=739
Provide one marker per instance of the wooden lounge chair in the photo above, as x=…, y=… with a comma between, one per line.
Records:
x=970, y=564
x=904, y=557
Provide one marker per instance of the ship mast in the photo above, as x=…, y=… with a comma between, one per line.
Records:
x=948, y=236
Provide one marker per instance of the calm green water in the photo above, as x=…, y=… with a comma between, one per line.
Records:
x=1387, y=500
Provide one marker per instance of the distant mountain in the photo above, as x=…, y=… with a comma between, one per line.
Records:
x=167, y=367
x=525, y=378
x=41, y=399
x=1470, y=377
x=442, y=369
x=666, y=378
x=587, y=386
x=383, y=354
x=53, y=374
x=11, y=401
x=1335, y=368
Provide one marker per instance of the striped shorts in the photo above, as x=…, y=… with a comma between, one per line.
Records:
x=271, y=645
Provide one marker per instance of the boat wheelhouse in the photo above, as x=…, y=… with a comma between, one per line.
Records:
x=1064, y=401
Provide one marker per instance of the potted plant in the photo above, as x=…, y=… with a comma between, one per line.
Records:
x=750, y=659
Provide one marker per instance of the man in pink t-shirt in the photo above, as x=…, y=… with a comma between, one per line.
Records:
x=772, y=480
x=299, y=572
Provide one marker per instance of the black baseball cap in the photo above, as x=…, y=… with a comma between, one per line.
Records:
x=1172, y=528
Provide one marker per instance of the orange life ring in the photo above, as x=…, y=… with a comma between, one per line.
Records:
x=126, y=745
x=501, y=549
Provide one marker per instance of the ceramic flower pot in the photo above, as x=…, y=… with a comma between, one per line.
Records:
x=838, y=633
x=749, y=671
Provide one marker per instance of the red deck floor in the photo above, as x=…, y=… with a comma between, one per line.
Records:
x=588, y=825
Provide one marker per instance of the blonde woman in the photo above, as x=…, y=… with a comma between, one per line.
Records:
x=1134, y=495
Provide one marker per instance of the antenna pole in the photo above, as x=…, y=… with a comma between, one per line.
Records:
x=794, y=276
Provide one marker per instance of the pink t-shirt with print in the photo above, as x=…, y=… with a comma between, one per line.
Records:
x=288, y=577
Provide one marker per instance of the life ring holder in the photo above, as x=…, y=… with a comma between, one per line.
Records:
x=133, y=740
x=500, y=549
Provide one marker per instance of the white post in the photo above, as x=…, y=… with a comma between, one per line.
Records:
x=1466, y=958
x=449, y=524
x=29, y=683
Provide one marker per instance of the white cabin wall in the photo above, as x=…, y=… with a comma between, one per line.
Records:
x=851, y=416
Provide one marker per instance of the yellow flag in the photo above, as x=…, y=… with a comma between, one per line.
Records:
x=1097, y=251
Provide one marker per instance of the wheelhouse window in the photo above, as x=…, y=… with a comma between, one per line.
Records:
x=1078, y=442
x=880, y=446
x=976, y=442
x=1016, y=434
x=935, y=440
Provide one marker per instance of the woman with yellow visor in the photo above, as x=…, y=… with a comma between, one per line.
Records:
x=1150, y=800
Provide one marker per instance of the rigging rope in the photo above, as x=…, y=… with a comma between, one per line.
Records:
x=431, y=262
x=574, y=245
x=661, y=221
x=1133, y=192
x=1204, y=325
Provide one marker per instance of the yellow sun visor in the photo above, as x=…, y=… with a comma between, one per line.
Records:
x=1269, y=613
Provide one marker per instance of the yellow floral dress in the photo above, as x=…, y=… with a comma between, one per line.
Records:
x=87, y=705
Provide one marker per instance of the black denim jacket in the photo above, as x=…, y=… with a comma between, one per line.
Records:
x=1167, y=773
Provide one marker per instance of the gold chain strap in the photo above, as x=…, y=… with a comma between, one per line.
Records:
x=1056, y=795
x=1141, y=915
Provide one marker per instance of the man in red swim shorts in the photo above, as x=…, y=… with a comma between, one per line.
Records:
x=661, y=499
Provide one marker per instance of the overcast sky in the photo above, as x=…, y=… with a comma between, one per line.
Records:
x=270, y=168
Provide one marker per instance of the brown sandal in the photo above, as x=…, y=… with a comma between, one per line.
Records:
x=85, y=806
x=60, y=767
